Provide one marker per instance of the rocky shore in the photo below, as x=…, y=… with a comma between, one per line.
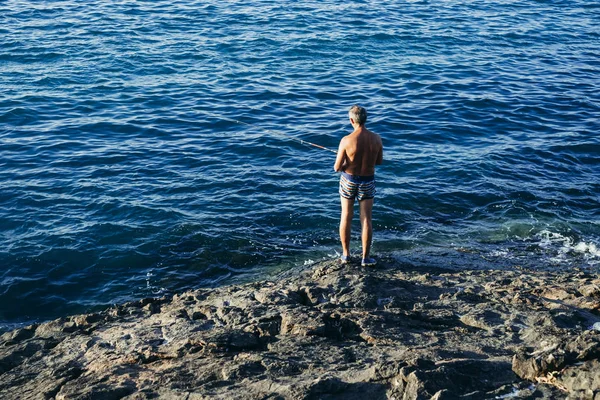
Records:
x=326, y=332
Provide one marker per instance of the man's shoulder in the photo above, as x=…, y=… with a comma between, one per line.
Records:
x=377, y=137
x=345, y=142
x=348, y=139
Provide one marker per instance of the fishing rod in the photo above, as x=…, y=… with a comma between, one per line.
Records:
x=301, y=141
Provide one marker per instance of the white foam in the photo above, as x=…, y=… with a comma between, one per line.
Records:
x=548, y=238
x=589, y=250
x=516, y=392
x=501, y=254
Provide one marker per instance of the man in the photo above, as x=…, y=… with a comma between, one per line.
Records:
x=357, y=156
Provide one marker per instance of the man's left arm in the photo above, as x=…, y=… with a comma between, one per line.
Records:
x=380, y=154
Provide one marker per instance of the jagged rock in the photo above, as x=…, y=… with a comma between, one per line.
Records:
x=452, y=379
x=18, y=335
x=571, y=365
x=591, y=290
x=532, y=367
x=325, y=332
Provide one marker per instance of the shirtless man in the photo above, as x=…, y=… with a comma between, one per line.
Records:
x=357, y=156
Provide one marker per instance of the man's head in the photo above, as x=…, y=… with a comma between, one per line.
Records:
x=358, y=114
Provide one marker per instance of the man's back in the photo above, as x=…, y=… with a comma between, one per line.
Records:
x=362, y=150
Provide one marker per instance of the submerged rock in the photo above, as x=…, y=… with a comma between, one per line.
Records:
x=326, y=332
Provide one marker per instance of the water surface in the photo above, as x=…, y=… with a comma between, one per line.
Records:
x=142, y=148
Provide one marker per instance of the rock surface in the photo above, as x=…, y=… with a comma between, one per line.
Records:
x=326, y=332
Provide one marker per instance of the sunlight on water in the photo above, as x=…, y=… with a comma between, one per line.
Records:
x=145, y=147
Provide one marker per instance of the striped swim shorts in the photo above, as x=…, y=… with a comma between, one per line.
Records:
x=357, y=187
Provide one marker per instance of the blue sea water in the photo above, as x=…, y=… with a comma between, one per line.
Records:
x=144, y=144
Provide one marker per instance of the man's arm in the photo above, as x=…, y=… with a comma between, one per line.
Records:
x=340, y=160
x=380, y=154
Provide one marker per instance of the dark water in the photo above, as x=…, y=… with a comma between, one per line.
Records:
x=141, y=149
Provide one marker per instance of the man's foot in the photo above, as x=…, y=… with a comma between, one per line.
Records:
x=368, y=262
x=344, y=260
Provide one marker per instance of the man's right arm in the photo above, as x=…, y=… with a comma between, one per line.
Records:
x=340, y=160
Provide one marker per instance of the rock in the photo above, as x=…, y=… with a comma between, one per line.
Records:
x=86, y=319
x=572, y=365
x=325, y=332
x=532, y=367
x=557, y=293
x=453, y=379
x=99, y=391
x=591, y=290
x=18, y=335
x=236, y=340
x=486, y=320
x=243, y=370
x=279, y=368
x=326, y=386
x=582, y=379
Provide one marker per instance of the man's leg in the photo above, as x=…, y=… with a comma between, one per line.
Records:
x=366, y=209
x=346, y=224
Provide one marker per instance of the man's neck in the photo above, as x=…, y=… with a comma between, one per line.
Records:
x=358, y=128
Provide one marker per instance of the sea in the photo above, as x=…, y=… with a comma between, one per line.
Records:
x=149, y=147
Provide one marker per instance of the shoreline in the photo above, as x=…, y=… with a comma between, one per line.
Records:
x=326, y=331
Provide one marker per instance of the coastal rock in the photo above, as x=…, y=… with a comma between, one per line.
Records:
x=571, y=364
x=326, y=332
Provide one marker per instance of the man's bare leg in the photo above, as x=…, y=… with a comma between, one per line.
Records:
x=366, y=208
x=346, y=224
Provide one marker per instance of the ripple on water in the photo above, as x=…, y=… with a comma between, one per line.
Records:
x=144, y=150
